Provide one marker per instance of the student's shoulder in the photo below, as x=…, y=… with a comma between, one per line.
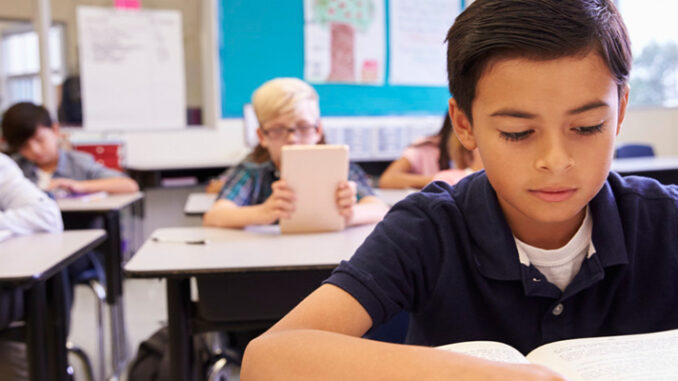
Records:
x=641, y=188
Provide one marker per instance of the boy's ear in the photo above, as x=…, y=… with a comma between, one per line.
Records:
x=623, y=102
x=462, y=126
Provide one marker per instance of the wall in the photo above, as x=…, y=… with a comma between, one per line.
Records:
x=64, y=11
x=655, y=126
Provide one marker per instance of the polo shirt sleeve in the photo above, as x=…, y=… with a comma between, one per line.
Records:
x=24, y=208
x=397, y=266
x=357, y=175
x=94, y=170
x=239, y=185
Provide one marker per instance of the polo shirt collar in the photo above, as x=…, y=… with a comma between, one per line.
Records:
x=495, y=251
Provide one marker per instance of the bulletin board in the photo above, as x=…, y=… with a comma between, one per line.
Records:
x=262, y=39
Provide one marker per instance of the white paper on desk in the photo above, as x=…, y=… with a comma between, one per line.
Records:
x=4, y=234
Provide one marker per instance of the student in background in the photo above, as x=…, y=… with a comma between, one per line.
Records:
x=545, y=244
x=421, y=160
x=288, y=113
x=439, y=157
x=24, y=209
x=28, y=129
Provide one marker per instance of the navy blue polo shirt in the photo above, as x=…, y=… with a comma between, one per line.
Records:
x=447, y=256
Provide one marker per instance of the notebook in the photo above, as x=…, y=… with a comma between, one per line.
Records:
x=313, y=172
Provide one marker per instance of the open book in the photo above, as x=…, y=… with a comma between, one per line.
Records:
x=651, y=356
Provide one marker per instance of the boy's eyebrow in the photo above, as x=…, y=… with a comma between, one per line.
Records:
x=515, y=113
x=588, y=106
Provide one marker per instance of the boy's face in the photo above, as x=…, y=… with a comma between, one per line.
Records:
x=275, y=133
x=546, y=132
x=43, y=147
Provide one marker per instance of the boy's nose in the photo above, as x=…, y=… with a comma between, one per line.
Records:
x=555, y=157
x=291, y=137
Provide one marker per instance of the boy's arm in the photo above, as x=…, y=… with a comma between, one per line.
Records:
x=320, y=340
x=227, y=214
x=398, y=176
x=368, y=210
x=119, y=184
x=24, y=208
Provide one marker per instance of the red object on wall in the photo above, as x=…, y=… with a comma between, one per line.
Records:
x=127, y=4
x=108, y=154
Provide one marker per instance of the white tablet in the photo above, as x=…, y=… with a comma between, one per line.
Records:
x=314, y=172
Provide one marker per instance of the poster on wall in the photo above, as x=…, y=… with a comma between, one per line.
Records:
x=344, y=41
x=417, y=31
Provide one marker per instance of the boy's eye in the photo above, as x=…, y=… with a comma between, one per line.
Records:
x=590, y=130
x=515, y=136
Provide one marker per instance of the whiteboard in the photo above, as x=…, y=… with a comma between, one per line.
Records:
x=131, y=69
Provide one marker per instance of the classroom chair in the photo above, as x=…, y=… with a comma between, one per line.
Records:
x=633, y=150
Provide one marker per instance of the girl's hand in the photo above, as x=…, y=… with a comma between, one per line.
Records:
x=346, y=199
x=279, y=205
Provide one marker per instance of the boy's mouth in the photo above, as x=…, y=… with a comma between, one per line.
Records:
x=553, y=194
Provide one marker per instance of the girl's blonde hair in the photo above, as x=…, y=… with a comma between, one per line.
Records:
x=277, y=97
x=280, y=96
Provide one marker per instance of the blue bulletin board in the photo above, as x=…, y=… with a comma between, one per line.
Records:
x=264, y=39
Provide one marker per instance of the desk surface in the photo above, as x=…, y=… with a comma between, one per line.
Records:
x=111, y=202
x=199, y=203
x=231, y=250
x=32, y=257
x=645, y=164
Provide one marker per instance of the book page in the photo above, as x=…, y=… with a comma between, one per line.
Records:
x=651, y=356
x=488, y=350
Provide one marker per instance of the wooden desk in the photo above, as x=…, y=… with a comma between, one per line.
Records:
x=109, y=209
x=664, y=168
x=253, y=251
x=35, y=262
x=198, y=204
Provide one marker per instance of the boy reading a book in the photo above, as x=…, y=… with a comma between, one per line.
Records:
x=545, y=244
x=253, y=194
x=29, y=131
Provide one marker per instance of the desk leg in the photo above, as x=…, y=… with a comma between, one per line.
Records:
x=114, y=292
x=57, y=328
x=35, y=310
x=179, y=321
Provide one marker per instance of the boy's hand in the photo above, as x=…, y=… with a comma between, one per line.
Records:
x=346, y=198
x=73, y=186
x=279, y=205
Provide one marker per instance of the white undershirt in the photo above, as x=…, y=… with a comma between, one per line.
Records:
x=44, y=178
x=562, y=264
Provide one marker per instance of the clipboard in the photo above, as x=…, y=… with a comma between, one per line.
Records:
x=313, y=172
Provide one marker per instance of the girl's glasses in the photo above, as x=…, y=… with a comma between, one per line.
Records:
x=277, y=133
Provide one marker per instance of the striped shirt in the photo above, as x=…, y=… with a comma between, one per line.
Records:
x=250, y=183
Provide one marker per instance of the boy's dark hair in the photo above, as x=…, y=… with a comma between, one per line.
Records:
x=536, y=29
x=21, y=121
x=444, y=134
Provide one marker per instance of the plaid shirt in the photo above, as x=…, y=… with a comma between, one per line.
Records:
x=250, y=183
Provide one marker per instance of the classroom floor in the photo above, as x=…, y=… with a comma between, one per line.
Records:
x=145, y=299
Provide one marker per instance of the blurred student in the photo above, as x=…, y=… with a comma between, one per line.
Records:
x=24, y=209
x=253, y=194
x=29, y=131
x=438, y=157
x=421, y=160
